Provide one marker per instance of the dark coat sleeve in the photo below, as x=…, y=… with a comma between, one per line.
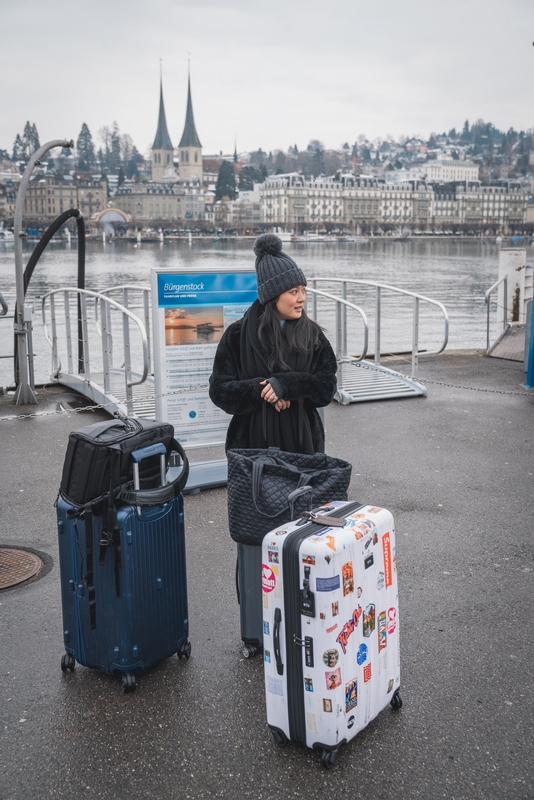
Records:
x=317, y=386
x=227, y=391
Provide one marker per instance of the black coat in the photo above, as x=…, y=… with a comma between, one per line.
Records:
x=242, y=397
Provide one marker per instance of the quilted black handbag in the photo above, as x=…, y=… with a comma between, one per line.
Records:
x=260, y=482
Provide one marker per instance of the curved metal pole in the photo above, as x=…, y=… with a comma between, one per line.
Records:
x=24, y=392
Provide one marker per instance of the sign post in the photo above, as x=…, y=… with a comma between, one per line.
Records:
x=190, y=312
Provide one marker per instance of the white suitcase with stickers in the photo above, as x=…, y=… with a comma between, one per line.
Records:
x=330, y=625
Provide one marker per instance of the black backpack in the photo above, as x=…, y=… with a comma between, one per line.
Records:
x=98, y=473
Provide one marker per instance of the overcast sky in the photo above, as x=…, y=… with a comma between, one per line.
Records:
x=272, y=73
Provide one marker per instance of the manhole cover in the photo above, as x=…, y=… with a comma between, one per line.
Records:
x=17, y=566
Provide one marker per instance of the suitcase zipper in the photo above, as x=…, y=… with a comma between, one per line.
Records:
x=292, y=601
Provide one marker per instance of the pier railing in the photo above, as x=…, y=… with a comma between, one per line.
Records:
x=487, y=300
x=134, y=297
x=342, y=305
x=379, y=288
x=67, y=321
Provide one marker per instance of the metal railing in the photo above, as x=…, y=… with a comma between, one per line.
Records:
x=487, y=299
x=379, y=287
x=106, y=335
x=3, y=304
x=126, y=291
x=342, y=304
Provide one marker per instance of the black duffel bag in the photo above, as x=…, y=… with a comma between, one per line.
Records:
x=98, y=466
x=260, y=482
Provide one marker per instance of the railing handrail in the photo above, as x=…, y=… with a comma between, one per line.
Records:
x=100, y=296
x=489, y=291
x=415, y=295
x=348, y=304
x=487, y=297
x=142, y=287
x=128, y=286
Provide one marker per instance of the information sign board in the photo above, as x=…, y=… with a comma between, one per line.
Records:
x=190, y=312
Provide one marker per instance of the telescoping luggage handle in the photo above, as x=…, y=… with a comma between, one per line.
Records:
x=161, y=494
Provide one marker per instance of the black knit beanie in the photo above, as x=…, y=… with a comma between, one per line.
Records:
x=276, y=271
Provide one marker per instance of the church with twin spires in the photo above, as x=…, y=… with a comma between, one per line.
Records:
x=169, y=196
x=189, y=149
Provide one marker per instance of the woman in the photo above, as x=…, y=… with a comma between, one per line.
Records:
x=274, y=367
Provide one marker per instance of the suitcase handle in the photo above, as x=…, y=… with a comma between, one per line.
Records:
x=149, y=450
x=162, y=494
x=276, y=641
x=295, y=494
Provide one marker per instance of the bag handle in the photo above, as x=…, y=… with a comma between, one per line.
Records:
x=161, y=494
x=295, y=494
x=257, y=474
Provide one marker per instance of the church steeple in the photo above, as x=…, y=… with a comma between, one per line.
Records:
x=190, y=149
x=162, y=149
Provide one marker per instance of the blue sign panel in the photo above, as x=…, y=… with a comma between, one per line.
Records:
x=212, y=289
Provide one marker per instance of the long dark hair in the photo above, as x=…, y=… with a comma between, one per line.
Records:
x=279, y=341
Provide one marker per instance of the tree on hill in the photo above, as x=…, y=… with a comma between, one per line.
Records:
x=30, y=139
x=248, y=176
x=18, y=149
x=225, y=186
x=85, y=149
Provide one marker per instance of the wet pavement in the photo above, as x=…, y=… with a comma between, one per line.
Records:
x=456, y=470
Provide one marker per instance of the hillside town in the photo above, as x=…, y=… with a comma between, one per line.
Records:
x=473, y=181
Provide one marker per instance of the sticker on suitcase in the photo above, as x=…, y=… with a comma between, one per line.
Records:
x=268, y=578
x=369, y=620
x=361, y=655
x=333, y=679
x=348, y=578
x=382, y=631
x=388, y=569
x=351, y=695
x=331, y=657
x=328, y=584
x=348, y=628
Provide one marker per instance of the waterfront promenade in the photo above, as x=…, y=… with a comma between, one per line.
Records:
x=456, y=470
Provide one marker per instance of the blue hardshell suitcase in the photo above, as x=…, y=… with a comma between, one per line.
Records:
x=141, y=614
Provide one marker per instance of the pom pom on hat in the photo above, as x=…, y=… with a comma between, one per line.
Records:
x=267, y=244
x=275, y=270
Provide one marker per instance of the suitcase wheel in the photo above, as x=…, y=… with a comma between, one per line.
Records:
x=249, y=651
x=328, y=759
x=128, y=682
x=68, y=662
x=396, y=701
x=279, y=737
x=184, y=650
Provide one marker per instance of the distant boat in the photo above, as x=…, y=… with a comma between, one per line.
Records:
x=312, y=237
x=6, y=236
x=350, y=238
x=285, y=236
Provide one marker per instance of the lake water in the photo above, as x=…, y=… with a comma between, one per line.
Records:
x=455, y=272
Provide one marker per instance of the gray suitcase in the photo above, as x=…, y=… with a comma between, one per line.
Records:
x=248, y=580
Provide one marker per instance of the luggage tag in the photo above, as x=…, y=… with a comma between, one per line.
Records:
x=331, y=522
x=307, y=597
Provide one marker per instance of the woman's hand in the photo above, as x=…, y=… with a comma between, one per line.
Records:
x=281, y=405
x=268, y=392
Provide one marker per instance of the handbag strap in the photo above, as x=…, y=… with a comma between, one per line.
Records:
x=257, y=476
x=300, y=425
x=264, y=424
